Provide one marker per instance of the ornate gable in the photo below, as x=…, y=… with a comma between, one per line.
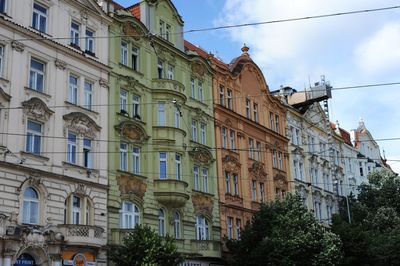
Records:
x=132, y=130
x=201, y=155
x=81, y=124
x=37, y=109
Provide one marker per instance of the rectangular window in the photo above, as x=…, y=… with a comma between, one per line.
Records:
x=258, y=151
x=227, y=182
x=123, y=157
x=194, y=130
x=136, y=160
x=160, y=68
x=88, y=95
x=170, y=74
x=163, y=165
x=136, y=106
x=39, y=17
x=248, y=115
x=230, y=227
x=280, y=160
x=361, y=169
x=205, y=180
x=301, y=171
x=235, y=185
x=178, y=166
x=168, y=32
x=254, y=190
x=274, y=161
x=224, y=138
x=221, y=95
x=135, y=58
x=296, y=169
x=203, y=133
x=200, y=91
x=177, y=118
x=89, y=39
x=192, y=88
x=75, y=32
x=196, y=181
x=229, y=99
x=71, y=148
x=298, y=137
x=76, y=210
x=124, y=53
x=2, y=6
x=262, y=192
x=251, y=148
x=1, y=60
x=161, y=114
x=123, y=101
x=238, y=228
x=255, y=112
x=232, y=140
x=36, y=75
x=73, y=89
x=161, y=29
x=277, y=123
x=87, y=153
x=33, y=137
x=271, y=120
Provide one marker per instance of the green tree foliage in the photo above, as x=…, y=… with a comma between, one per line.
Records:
x=283, y=232
x=373, y=237
x=144, y=247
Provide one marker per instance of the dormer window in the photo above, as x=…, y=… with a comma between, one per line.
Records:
x=165, y=30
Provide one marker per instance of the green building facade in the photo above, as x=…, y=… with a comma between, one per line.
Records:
x=162, y=169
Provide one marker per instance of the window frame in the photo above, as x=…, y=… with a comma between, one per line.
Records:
x=163, y=164
x=135, y=106
x=203, y=134
x=227, y=182
x=124, y=53
x=34, y=135
x=178, y=166
x=196, y=178
x=123, y=157
x=221, y=95
x=177, y=225
x=255, y=112
x=27, y=202
x=2, y=60
x=251, y=148
x=229, y=227
x=161, y=222
x=135, y=58
x=72, y=146
x=247, y=107
x=135, y=160
x=90, y=41
x=202, y=228
x=229, y=99
x=87, y=153
x=204, y=173
x=194, y=130
x=224, y=137
x=38, y=15
x=133, y=215
x=161, y=116
x=34, y=73
x=75, y=34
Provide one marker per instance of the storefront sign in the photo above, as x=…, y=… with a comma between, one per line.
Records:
x=25, y=260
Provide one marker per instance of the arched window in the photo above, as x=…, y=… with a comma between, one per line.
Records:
x=161, y=222
x=77, y=210
x=201, y=228
x=30, y=213
x=177, y=225
x=129, y=215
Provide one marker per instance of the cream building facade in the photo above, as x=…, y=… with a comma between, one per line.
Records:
x=53, y=132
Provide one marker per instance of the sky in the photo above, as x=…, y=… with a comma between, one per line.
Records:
x=348, y=50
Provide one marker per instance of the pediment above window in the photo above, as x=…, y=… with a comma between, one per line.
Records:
x=81, y=123
x=197, y=69
x=132, y=131
x=201, y=155
x=231, y=164
x=129, y=29
x=257, y=169
x=37, y=109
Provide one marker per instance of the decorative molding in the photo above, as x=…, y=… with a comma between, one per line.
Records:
x=258, y=171
x=132, y=130
x=129, y=184
x=4, y=95
x=60, y=64
x=18, y=46
x=81, y=123
x=202, y=204
x=80, y=189
x=37, y=109
x=131, y=31
x=104, y=83
x=202, y=155
x=231, y=164
x=197, y=69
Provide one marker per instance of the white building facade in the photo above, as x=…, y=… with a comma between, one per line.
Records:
x=53, y=132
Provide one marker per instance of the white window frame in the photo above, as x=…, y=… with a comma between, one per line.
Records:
x=251, y=148
x=123, y=156
x=205, y=179
x=262, y=192
x=194, y=130
x=238, y=228
x=31, y=137
x=87, y=153
x=72, y=147
x=31, y=207
x=160, y=68
x=75, y=33
x=89, y=40
x=274, y=159
x=224, y=137
x=124, y=53
x=254, y=190
x=227, y=182
x=135, y=58
x=196, y=178
x=229, y=99
x=221, y=95
x=258, y=151
x=280, y=160
x=203, y=133
x=76, y=210
x=193, y=88
x=136, y=160
x=135, y=106
x=232, y=141
x=35, y=73
x=177, y=225
x=277, y=125
x=177, y=118
x=38, y=15
x=2, y=62
x=163, y=162
x=235, y=178
x=129, y=215
x=161, y=119
x=200, y=91
x=178, y=166
x=123, y=100
x=229, y=222
x=202, y=231
x=248, y=114
x=170, y=72
x=255, y=112
x=88, y=94
x=161, y=222
x=73, y=94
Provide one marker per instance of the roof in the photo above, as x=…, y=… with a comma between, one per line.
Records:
x=345, y=136
x=117, y=6
x=201, y=52
x=135, y=10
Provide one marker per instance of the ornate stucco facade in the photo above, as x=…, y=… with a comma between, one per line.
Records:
x=162, y=165
x=53, y=125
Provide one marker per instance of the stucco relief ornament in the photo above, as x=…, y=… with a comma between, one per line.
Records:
x=60, y=64
x=104, y=83
x=18, y=46
x=201, y=155
x=132, y=131
x=131, y=31
x=80, y=189
x=37, y=109
x=4, y=95
x=232, y=164
x=202, y=204
x=81, y=124
x=131, y=185
x=258, y=170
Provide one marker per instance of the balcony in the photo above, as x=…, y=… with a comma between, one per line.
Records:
x=170, y=192
x=206, y=248
x=118, y=234
x=169, y=86
x=172, y=134
x=85, y=235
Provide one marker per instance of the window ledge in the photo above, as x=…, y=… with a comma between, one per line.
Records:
x=81, y=169
x=128, y=67
x=30, y=90
x=34, y=156
x=203, y=193
x=40, y=32
x=80, y=107
x=4, y=80
x=132, y=118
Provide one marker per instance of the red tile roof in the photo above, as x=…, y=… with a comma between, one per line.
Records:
x=345, y=136
x=135, y=10
x=117, y=6
x=201, y=52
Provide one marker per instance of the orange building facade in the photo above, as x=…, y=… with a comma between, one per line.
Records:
x=250, y=124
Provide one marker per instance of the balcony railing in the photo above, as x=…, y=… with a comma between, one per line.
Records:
x=88, y=235
x=206, y=248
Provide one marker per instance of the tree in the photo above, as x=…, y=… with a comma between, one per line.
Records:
x=144, y=247
x=283, y=232
x=373, y=237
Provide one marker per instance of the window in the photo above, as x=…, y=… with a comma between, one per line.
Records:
x=178, y=170
x=317, y=210
x=205, y=180
x=129, y=215
x=301, y=171
x=224, y=139
x=124, y=53
x=123, y=101
x=194, y=130
x=161, y=222
x=159, y=68
x=167, y=32
x=30, y=209
x=203, y=133
x=87, y=153
x=161, y=28
x=89, y=39
x=163, y=165
x=230, y=227
x=227, y=182
x=76, y=210
x=123, y=156
x=196, y=181
x=271, y=120
x=71, y=148
x=170, y=73
x=177, y=118
x=177, y=225
x=255, y=113
x=200, y=91
x=136, y=106
x=232, y=140
x=274, y=161
x=88, y=95
x=258, y=151
x=280, y=160
x=36, y=75
x=33, y=137
x=248, y=108
x=277, y=123
x=229, y=99
x=221, y=95
x=262, y=192
x=238, y=228
x=2, y=6
x=254, y=190
x=251, y=148
x=192, y=88
x=75, y=31
x=311, y=145
x=136, y=160
x=295, y=132
x=73, y=89
x=1, y=60
x=361, y=169
x=39, y=17
x=161, y=114
x=235, y=185
x=201, y=228
x=135, y=58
